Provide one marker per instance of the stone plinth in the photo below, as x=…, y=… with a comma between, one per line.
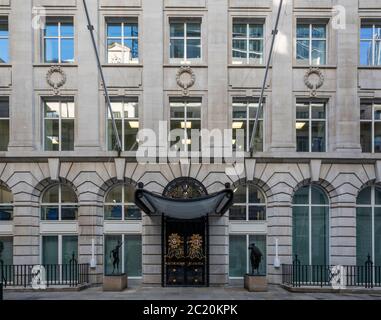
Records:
x=115, y=282
x=255, y=283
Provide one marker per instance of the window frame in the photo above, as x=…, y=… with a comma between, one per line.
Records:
x=5, y=20
x=185, y=38
x=7, y=100
x=373, y=122
x=310, y=40
x=122, y=21
x=310, y=121
x=373, y=40
x=58, y=204
x=59, y=20
x=60, y=248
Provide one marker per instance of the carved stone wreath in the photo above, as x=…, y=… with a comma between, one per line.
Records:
x=56, y=78
x=186, y=79
x=314, y=84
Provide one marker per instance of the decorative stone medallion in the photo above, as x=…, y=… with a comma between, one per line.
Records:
x=186, y=79
x=56, y=78
x=314, y=79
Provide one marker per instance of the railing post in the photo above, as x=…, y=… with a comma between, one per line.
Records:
x=295, y=272
x=369, y=273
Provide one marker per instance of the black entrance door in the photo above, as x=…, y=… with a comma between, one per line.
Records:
x=185, y=258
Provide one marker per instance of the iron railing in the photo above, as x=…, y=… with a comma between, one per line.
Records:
x=298, y=275
x=72, y=275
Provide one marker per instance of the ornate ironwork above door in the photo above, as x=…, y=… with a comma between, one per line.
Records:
x=185, y=188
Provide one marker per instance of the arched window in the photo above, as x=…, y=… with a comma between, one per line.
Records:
x=249, y=204
x=59, y=203
x=368, y=225
x=6, y=204
x=119, y=204
x=310, y=219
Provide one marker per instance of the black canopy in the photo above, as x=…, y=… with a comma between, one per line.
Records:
x=217, y=203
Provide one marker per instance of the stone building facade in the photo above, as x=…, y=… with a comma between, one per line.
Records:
x=339, y=81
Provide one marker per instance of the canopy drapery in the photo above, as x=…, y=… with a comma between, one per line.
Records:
x=217, y=203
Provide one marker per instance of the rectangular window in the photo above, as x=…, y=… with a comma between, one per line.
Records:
x=4, y=124
x=59, y=119
x=244, y=115
x=311, y=126
x=123, y=254
x=58, y=40
x=370, y=44
x=185, y=40
x=4, y=40
x=248, y=42
x=185, y=124
x=6, y=250
x=249, y=204
x=370, y=127
x=239, y=255
x=126, y=114
x=311, y=43
x=122, y=41
x=59, y=249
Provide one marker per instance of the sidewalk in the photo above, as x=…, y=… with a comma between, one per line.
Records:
x=158, y=293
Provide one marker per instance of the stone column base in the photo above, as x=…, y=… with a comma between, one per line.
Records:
x=115, y=283
x=255, y=283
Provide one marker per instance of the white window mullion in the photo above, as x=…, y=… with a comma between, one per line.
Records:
x=185, y=42
x=373, y=44
x=373, y=130
x=247, y=44
x=310, y=224
x=59, y=42
x=123, y=248
x=60, y=250
x=373, y=197
x=123, y=201
x=59, y=203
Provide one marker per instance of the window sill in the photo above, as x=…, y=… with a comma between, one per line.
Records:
x=62, y=65
x=247, y=65
x=370, y=67
x=307, y=66
x=179, y=65
x=5, y=65
x=122, y=65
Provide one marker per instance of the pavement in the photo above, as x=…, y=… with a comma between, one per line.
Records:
x=158, y=293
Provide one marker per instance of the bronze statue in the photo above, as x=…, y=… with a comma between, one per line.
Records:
x=115, y=256
x=255, y=258
x=1, y=251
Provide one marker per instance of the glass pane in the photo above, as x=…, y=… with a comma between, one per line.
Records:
x=115, y=51
x=67, y=135
x=255, y=196
x=240, y=135
x=67, y=50
x=300, y=234
x=237, y=213
x=363, y=235
x=303, y=50
x=194, y=49
x=240, y=194
x=177, y=49
x=366, y=53
x=260, y=243
x=303, y=31
x=113, y=254
x=131, y=50
x=239, y=49
x=318, y=196
x=239, y=111
x=318, y=111
x=318, y=52
x=51, y=29
x=302, y=136
x=366, y=136
x=113, y=212
x=302, y=196
x=68, y=110
x=131, y=110
x=129, y=193
x=69, y=213
x=133, y=255
x=319, y=234
x=237, y=256
x=69, y=249
x=365, y=196
x=67, y=194
x=6, y=213
x=377, y=53
x=114, y=30
x=6, y=250
x=318, y=136
x=51, y=195
x=51, y=51
x=49, y=250
x=256, y=31
x=50, y=213
x=4, y=135
x=132, y=212
x=193, y=112
x=52, y=109
x=366, y=32
x=177, y=29
x=6, y=196
x=115, y=195
x=377, y=195
x=302, y=111
x=377, y=137
x=377, y=111
x=377, y=238
x=131, y=30
x=258, y=141
x=257, y=213
x=177, y=111
x=239, y=30
x=112, y=141
x=366, y=111
x=256, y=50
x=194, y=30
x=318, y=31
x=4, y=32
x=67, y=30
x=4, y=50
x=131, y=129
